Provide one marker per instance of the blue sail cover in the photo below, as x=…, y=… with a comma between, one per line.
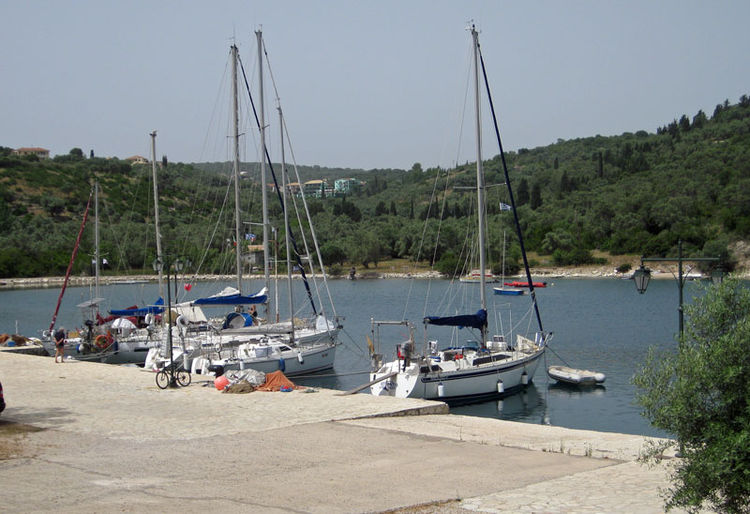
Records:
x=156, y=308
x=478, y=320
x=230, y=296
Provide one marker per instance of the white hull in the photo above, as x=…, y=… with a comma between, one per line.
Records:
x=574, y=376
x=119, y=352
x=460, y=380
x=260, y=357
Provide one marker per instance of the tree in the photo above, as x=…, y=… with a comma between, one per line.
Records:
x=76, y=153
x=700, y=119
x=536, y=196
x=522, y=196
x=700, y=394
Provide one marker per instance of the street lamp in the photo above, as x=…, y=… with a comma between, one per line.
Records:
x=642, y=275
x=168, y=265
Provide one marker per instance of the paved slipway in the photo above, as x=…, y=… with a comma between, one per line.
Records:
x=88, y=437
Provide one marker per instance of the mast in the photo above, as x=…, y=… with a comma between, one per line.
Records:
x=480, y=180
x=96, y=240
x=264, y=192
x=286, y=229
x=236, y=160
x=156, y=214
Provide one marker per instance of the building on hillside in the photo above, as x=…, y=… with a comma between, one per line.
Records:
x=137, y=159
x=293, y=188
x=345, y=186
x=253, y=259
x=42, y=153
x=316, y=188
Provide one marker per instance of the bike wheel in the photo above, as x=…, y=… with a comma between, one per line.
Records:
x=162, y=379
x=184, y=378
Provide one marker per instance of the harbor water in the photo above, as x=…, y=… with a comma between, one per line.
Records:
x=598, y=324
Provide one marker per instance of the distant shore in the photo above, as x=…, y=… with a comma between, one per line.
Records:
x=542, y=274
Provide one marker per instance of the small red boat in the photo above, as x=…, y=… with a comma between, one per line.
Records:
x=525, y=284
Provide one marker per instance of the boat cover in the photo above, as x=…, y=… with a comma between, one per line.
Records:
x=238, y=320
x=156, y=308
x=231, y=296
x=478, y=320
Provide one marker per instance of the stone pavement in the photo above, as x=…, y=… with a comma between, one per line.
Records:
x=88, y=437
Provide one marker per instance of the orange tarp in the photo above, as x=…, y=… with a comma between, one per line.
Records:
x=275, y=381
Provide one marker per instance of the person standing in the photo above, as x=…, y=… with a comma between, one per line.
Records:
x=59, y=344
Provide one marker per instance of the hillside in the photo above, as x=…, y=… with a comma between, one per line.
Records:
x=636, y=193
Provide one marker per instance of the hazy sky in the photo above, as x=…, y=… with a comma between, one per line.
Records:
x=363, y=84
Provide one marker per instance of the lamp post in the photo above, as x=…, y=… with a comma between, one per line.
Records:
x=167, y=265
x=642, y=275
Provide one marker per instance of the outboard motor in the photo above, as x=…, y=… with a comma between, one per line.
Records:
x=216, y=369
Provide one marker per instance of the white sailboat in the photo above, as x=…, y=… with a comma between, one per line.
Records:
x=113, y=341
x=472, y=371
x=241, y=340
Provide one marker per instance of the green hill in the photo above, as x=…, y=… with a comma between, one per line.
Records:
x=637, y=193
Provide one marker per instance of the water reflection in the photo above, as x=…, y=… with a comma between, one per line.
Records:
x=526, y=405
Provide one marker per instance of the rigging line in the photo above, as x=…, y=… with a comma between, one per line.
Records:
x=421, y=245
x=310, y=226
x=510, y=192
x=304, y=201
x=278, y=193
x=463, y=110
x=559, y=357
x=358, y=347
x=222, y=87
x=72, y=260
x=213, y=233
x=312, y=231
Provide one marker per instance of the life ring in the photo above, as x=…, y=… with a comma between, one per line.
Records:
x=101, y=342
x=183, y=321
x=149, y=319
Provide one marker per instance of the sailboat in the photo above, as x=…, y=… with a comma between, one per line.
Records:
x=241, y=340
x=116, y=340
x=475, y=370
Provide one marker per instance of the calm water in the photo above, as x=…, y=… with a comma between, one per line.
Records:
x=598, y=324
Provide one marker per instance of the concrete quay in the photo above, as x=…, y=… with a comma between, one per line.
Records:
x=88, y=437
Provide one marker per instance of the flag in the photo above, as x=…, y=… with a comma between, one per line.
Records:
x=250, y=237
x=505, y=207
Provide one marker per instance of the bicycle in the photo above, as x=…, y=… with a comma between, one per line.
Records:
x=171, y=374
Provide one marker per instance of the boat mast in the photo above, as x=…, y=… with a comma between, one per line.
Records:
x=236, y=161
x=156, y=214
x=480, y=180
x=286, y=229
x=264, y=192
x=96, y=240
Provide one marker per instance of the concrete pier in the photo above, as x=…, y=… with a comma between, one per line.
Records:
x=88, y=437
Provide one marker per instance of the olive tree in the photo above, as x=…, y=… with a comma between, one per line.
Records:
x=700, y=393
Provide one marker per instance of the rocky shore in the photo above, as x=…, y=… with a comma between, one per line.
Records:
x=540, y=273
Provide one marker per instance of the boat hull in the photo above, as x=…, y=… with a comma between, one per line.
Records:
x=293, y=362
x=572, y=376
x=508, y=292
x=120, y=352
x=463, y=385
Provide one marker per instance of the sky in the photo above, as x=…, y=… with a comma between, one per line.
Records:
x=378, y=84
